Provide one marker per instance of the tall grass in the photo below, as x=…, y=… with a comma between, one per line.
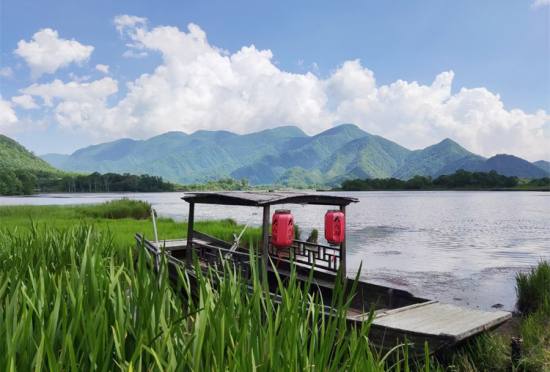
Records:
x=13, y=218
x=70, y=299
x=533, y=289
x=116, y=209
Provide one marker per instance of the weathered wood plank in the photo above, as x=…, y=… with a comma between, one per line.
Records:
x=435, y=318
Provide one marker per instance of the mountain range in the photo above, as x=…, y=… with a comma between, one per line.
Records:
x=285, y=155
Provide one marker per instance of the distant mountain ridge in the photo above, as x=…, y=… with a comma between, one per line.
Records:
x=284, y=155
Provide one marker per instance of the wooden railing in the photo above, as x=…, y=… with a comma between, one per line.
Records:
x=313, y=254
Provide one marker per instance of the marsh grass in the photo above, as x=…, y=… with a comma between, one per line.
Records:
x=533, y=289
x=70, y=299
x=117, y=209
x=13, y=218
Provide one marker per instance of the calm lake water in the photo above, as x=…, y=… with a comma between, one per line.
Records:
x=458, y=247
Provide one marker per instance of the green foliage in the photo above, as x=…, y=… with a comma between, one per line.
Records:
x=13, y=156
x=487, y=352
x=217, y=185
x=122, y=230
x=313, y=236
x=73, y=300
x=543, y=183
x=533, y=289
x=117, y=209
x=459, y=180
x=21, y=182
x=112, y=182
x=535, y=332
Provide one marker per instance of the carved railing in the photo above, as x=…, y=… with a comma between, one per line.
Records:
x=312, y=254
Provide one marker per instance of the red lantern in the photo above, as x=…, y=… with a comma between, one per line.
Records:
x=282, y=228
x=335, y=226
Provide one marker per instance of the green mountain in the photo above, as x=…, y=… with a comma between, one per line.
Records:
x=13, y=156
x=179, y=157
x=433, y=160
x=283, y=155
x=301, y=156
x=509, y=165
x=365, y=157
x=543, y=164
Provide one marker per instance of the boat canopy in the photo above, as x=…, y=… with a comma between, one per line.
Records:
x=262, y=199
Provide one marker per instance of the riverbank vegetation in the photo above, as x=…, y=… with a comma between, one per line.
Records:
x=76, y=295
x=460, y=180
x=25, y=182
x=74, y=299
x=120, y=218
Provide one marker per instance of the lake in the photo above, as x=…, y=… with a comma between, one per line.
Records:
x=462, y=247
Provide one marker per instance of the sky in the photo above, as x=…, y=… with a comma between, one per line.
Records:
x=75, y=73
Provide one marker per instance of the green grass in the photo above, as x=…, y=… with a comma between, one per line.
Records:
x=72, y=299
x=533, y=289
x=75, y=294
x=123, y=228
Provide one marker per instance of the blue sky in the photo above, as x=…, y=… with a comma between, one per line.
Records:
x=502, y=47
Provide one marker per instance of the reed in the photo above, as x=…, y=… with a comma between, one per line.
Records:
x=117, y=209
x=533, y=289
x=71, y=299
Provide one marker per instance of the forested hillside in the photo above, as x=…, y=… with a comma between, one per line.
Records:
x=284, y=156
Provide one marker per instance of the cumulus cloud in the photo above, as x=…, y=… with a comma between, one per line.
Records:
x=125, y=21
x=47, y=52
x=102, y=68
x=200, y=86
x=8, y=118
x=25, y=101
x=77, y=105
x=6, y=72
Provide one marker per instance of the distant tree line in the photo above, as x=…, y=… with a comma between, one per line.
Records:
x=461, y=179
x=26, y=182
x=17, y=182
x=216, y=185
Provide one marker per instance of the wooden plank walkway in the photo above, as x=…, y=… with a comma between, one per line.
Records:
x=433, y=318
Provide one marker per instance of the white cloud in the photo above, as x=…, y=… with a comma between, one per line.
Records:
x=125, y=21
x=47, y=52
x=25, y=101
x=102, y=68
x=134, y=54
x=77, y=105
x=540, y=3
x=199, y=86
x=6, y=72
x=8, y=118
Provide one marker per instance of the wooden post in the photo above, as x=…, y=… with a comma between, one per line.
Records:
x=190, y=222
x=265, y=237
x=343, y=246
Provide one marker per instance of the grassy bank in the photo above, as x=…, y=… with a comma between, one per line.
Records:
x=72, y=299
x=121, y=218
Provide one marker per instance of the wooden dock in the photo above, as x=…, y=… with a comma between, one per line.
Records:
x=433, y=320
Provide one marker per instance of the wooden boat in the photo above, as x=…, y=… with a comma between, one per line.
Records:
x=399, y=316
